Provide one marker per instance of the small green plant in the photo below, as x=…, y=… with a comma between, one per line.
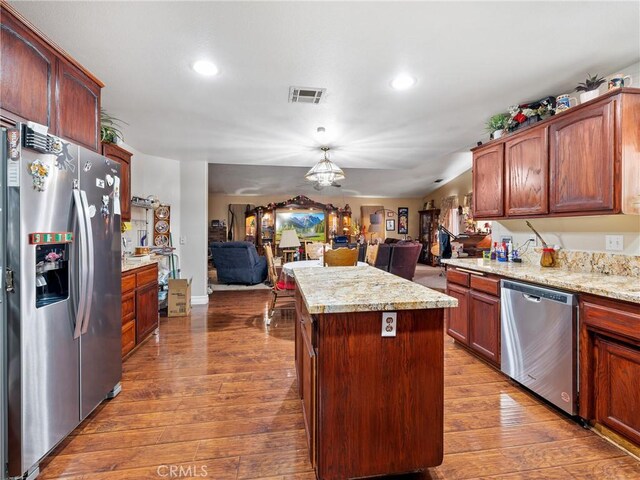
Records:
x=110, y=127
x=591, y=83
x=497, y=122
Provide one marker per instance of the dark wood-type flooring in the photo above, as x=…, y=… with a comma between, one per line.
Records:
x=215, y=394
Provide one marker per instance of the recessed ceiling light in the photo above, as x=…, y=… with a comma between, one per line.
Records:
x=206, y=68
x=403, y=81
x=321, y=130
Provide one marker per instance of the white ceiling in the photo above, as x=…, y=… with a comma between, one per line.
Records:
x=471, y=60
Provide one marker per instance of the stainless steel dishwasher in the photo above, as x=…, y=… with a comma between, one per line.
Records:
x=539, y=341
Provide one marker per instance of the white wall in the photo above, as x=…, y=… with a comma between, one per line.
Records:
x=157, y=176
x=193, y=227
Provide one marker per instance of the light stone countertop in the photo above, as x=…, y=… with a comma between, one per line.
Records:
x=612, y=286
x=358, y=289
x=128, y=266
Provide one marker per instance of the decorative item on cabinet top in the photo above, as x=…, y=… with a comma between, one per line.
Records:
x=110, y=128
x=589, y=88
x=162, y=226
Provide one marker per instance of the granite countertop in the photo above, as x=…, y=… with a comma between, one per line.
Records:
x=612, y=286
x=359, y=289
x=127, y=266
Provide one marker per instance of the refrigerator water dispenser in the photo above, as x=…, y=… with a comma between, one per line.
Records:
x=52, y=274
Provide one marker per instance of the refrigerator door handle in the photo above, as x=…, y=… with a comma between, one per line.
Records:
x=82, y=302
x=90, y=261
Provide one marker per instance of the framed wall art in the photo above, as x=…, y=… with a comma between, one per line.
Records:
x=403, y=220
x=391, y=225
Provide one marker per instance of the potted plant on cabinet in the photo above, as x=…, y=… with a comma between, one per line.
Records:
x=110, y=128
x=589, y=88
x=496, y=124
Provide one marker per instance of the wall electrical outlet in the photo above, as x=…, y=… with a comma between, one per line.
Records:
x=534, y=240
x=183, y=240
x=614, y=243
x=389, y=320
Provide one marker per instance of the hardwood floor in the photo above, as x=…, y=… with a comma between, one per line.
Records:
x=214, y=396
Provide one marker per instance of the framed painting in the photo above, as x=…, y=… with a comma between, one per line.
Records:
x=309, y=225
x=391, y=225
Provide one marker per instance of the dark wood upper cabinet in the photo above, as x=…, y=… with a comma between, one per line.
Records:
x=582, y=159
x=78, y=107
x=28, y=72
x=484, y=325
x=527, y=173
x=43, y=84
x=114, y=152
x=488, y=180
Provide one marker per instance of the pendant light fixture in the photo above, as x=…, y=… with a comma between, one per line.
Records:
x=325, y=172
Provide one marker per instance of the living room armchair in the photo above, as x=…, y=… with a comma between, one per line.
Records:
x=404, y=259
x=238, y=262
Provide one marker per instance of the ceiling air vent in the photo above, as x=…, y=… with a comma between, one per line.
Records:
x=305, y=95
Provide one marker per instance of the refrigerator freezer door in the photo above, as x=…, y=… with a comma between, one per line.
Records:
x=100, y=358
x=43, y=356
x=3, y=323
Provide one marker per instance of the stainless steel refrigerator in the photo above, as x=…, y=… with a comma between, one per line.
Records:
x=62, y=290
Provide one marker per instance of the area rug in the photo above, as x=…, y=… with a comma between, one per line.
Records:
x=430, y=277
x=214, y=286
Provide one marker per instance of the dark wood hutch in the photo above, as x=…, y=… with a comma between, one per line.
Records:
x=427, y=236
x=260, y=222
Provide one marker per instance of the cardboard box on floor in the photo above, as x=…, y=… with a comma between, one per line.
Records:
x=179, y=297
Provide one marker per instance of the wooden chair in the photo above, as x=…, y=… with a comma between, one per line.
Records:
x=273, y=280
x=313, y=250
x=372, y=252
x=341, y=257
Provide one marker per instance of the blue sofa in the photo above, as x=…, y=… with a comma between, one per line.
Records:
x=238, y=262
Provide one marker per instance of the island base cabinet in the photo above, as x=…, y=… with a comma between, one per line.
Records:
x=380, y=399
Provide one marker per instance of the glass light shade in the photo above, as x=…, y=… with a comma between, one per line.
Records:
x=289, y=239
x=325, y=172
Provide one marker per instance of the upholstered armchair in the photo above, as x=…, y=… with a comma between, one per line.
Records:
x=238, y=262
x=383, y=256
x=404, y=258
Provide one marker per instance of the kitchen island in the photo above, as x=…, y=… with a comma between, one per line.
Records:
x=370, y=365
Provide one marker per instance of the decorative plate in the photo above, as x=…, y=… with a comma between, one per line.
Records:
x=161, y=241
x=162, y=212
x=162, y=226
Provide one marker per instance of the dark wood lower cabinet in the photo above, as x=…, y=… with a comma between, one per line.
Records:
x=146, y=310
x=617, y=387
x=476, y=321
x=139, y=306
x=484, y=325
x=458, y=318
x=610, y=365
